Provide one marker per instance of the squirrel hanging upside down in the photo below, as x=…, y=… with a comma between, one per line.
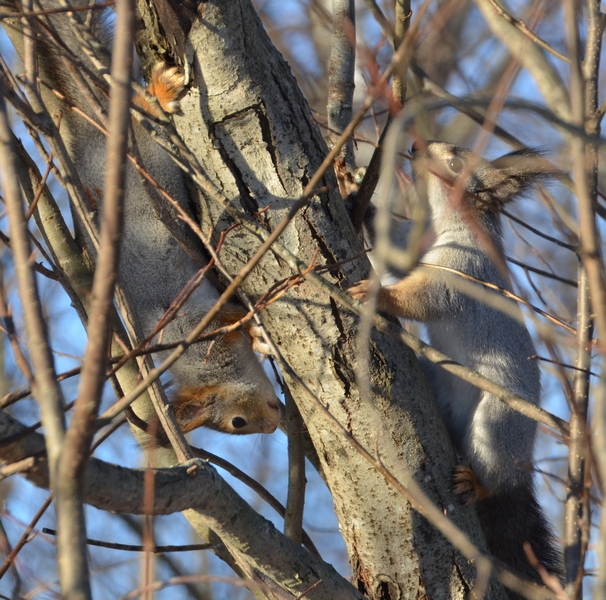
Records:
x=220, y=384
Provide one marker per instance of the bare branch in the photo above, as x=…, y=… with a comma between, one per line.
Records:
x=341, y=74
x=530, y=56
x=590, y=293
x=403, y=14
x=256, y=487
x=46, y=388
x=293, y=517
x=194, y=485
x=521, y=26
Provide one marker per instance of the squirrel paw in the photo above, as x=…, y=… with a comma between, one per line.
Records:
x=360, y=290
x=466, y=485
x=258, y=342
x=168, y=86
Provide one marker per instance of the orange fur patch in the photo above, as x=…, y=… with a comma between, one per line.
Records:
x=167, y=85
x=191, y=406
x=410, y=297
x=231, y=314
x=94, y=196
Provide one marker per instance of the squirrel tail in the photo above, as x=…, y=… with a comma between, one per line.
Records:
x=509, y=520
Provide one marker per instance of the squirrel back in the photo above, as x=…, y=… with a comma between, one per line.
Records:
x=494, y=442
x=222, y=384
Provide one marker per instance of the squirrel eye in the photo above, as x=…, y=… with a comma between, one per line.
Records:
x=455, y=164
x=238, y=422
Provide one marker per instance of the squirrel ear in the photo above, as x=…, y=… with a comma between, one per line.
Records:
x=524, y=160
x=194, y=406
x=513, y=174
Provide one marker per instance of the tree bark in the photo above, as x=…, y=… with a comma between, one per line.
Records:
x=251, y=130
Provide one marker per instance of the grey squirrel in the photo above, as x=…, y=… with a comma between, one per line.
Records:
x=220, y=385
x=495, y=443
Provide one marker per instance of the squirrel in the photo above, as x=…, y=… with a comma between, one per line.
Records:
x=220, y=384
x=494, y=442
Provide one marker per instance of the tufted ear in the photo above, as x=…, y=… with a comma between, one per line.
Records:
x=513, y=174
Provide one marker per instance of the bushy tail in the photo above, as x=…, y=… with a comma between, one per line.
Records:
x=509, y=520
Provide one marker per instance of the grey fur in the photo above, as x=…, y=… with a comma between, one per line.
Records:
x=465, y=193
x=487, y=433
x=496, y=441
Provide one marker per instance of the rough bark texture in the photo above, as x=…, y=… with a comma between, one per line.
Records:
x=249, y=126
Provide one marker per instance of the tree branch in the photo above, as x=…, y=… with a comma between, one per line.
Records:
x=197, y=486
x=341, y=74
x=530, y=56
x=45, y=386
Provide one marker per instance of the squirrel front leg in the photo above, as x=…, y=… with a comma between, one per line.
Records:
x=420, y=297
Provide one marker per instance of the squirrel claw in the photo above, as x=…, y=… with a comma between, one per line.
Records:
x=360, y=290
x=258, y=341
x=466, y=485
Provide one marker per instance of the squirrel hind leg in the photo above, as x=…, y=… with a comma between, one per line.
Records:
x=509, y=519
x=167, y=85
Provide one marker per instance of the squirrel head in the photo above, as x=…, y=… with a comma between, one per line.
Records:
x=231, y=408
x=455, y=176
x=223, y=385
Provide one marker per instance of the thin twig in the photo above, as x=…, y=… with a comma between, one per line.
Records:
x=11, y=332
x=156, y=586
x=25, y=535
x=531, y=56
x=137, y=548
x=36, y=266
x=45, y=386
x=527, y=267
x=34, y=202
x=521, y=26
x=557, y=362
x=540, y=233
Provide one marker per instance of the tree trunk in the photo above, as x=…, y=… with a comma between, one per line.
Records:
x=252, y=132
